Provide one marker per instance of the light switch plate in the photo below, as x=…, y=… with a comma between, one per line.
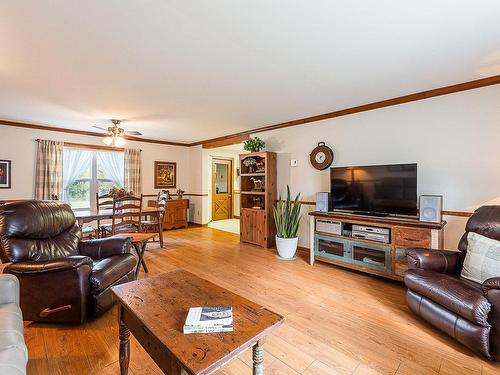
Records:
x=293, y=163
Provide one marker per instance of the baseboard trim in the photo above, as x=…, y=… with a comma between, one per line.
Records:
x=192, y=224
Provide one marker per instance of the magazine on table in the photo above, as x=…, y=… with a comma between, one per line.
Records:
x=209, y=319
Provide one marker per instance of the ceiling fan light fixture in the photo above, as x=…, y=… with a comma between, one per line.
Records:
x=119, y=141
x=108, y=140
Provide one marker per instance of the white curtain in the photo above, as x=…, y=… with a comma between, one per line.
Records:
x=112, y=163
x=75, y=161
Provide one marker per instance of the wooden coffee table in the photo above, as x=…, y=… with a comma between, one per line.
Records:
x=154, y=310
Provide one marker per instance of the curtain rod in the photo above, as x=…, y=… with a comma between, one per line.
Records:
x=95, y=147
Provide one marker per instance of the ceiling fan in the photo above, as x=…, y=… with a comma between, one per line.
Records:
x=116, y=135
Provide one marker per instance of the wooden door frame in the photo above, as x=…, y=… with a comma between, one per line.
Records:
x=230, y=185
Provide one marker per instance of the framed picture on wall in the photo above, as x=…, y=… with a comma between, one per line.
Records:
x=4, y=174
x=165, y=175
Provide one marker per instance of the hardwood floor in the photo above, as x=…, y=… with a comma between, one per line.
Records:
x=336, y=321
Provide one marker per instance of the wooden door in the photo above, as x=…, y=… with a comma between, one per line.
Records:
x=222, y=189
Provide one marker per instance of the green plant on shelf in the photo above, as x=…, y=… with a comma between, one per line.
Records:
x=254, y=144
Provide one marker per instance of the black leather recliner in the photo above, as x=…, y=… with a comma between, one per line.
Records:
x=62, y=278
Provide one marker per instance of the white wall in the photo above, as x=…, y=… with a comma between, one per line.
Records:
x=19, y=145
x=455, y=139
x=196, y=185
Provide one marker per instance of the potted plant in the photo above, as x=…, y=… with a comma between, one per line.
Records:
x=254, y=144
x=286, y=217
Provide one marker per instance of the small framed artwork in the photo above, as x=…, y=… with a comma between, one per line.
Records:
x=4, y=174
x=165, y=175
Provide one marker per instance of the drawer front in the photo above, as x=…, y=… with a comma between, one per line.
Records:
x=400, y=268
x=412, y=237
x=400, y=262
x=373, y=256
x=330, y=247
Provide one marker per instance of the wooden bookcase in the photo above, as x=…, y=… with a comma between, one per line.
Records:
x=383, y=259
x=258, y=196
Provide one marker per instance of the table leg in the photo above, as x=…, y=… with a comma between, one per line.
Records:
x=143, y=250
x=258, y=358
x=124, y=345
x=160, y=229
x=139, y=249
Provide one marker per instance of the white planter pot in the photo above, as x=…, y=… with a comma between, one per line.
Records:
x=286, y=247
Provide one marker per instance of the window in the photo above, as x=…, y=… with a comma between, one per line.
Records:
x=87, y=172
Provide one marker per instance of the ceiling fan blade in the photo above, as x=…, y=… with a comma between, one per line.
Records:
x=133, y=132
x=98, y=127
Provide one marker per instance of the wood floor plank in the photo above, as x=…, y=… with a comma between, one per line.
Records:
x=320, y=368
x=336, y=321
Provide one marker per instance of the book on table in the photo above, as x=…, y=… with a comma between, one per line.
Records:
x=209, y=319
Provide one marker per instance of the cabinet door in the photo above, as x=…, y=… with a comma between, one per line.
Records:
x=372, y=256
x=252, y=226
x=168, y=218
x=180, y=216
x=332, y=247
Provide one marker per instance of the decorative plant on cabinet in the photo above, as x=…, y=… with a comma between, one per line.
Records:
x=254, y=144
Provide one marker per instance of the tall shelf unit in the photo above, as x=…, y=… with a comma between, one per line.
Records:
x=258, y=196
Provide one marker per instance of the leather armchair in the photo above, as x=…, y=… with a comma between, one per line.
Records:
x=465, y=310
x=62, y=278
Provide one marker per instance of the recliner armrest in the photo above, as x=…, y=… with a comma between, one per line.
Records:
x=491, y=283
x=442, y=261
x=9, y=289
x=105, y=247
x=54, y=265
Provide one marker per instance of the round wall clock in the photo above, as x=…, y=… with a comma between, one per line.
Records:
x=321, y=157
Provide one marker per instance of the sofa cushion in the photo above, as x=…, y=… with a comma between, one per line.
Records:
x=482, y=260
x=108, y=270
x=463, y=298
x=13, y=351
x=12, y=361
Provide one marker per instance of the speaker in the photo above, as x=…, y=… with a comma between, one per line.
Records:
x=323, y=202
x=430, y=208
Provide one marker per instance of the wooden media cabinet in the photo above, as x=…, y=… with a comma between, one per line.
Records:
x=379, y=258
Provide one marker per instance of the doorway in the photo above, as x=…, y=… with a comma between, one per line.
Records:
x=222, y=189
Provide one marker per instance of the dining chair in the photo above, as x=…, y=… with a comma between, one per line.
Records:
x=153, y=223
x=103, y=202
x=126, y=221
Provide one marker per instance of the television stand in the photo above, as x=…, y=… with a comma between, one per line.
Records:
x=334, y=243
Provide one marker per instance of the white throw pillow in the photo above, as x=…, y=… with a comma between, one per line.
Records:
x=482, y=260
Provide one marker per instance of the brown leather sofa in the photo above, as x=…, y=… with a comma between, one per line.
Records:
x=62, y=278
x=465, y=310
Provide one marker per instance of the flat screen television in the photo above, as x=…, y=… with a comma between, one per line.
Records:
x=375, y=190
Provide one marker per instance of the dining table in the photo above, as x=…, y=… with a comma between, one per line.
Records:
x=87, y=216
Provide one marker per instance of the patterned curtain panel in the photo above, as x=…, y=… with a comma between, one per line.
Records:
x=133, y=171
x=49, y=170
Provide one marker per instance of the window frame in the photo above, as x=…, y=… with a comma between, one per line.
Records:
x=93, y=180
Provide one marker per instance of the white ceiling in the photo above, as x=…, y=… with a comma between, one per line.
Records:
x=192, y=70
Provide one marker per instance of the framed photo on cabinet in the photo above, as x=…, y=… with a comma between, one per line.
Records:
x=5, y=174
x=165, y=175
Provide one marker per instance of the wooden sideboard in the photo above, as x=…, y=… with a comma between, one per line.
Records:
x=176, y=213
x=379, y=258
